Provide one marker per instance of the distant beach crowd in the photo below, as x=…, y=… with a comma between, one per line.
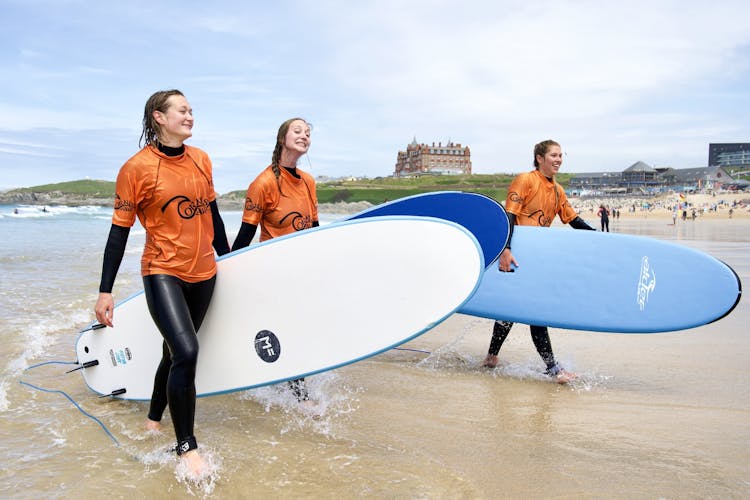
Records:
x=716, y=205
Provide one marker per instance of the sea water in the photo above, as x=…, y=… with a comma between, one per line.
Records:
x=662, y=415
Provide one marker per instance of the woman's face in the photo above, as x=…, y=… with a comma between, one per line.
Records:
x=298, y=137
x=550, y=163
x=176, y=123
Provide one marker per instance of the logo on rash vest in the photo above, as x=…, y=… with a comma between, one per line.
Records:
x=646, y=283
x=124, y=205
x=187, y=208
x=267, y=346
x=299, y=221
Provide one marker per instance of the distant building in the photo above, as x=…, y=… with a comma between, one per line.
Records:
x=420, y=159
x=729, y=154
x=642, y=178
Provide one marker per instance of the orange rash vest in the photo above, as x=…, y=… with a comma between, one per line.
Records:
x=170, y=195
x=281, y=207
x=535, y=200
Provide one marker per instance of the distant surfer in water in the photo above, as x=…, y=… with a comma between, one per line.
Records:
x=534, y=199
x=282, y=200
x=169, y=187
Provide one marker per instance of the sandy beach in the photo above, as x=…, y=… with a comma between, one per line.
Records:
x=711, y=206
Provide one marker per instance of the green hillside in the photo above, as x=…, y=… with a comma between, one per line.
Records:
x=85, y=187
x=375, y=191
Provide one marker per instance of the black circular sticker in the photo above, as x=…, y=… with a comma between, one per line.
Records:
x=267, y=346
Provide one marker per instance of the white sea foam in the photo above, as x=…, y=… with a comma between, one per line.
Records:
x=204, y=484
x=331, y=397
x=3, y=395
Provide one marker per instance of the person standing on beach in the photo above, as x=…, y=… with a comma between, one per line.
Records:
x=603, y=214
x=169, y=187
x=534, y=199
x=282, y=200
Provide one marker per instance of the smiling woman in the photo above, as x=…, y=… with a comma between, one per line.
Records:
x=282, y=199
x=169, y=187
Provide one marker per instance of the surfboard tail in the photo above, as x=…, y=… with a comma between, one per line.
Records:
x=739, y=293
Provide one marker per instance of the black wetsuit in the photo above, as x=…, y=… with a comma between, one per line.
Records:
x=177, y=308
x=604, y=218
x=539, y=334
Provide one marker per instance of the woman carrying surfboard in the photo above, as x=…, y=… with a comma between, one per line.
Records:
x=282, y=199
x=169, y=187
x=534, y=199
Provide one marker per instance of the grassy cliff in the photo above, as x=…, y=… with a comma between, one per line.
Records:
x=86, y=187
x=374, y=191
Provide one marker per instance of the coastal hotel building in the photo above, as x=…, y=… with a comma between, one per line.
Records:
x=421, y=159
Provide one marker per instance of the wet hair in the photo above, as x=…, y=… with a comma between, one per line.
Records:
x=280, y=138
x=542, y=148
x=157, y=102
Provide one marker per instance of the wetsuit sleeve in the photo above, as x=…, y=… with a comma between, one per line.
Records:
x=220, y=243
x=579, y=223
x=511, y=225
x=245, y=236
x=113, y=253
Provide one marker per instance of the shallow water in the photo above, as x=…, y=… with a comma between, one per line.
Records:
x=656, y=416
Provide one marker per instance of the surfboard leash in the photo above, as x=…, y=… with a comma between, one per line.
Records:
x=57, y=391
x=412, y=350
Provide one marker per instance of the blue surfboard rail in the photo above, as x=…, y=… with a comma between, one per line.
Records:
x=484, y=217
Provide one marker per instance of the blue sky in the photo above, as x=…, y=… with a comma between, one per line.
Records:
x=614, y=82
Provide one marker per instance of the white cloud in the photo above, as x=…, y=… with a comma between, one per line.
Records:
x=614, y=82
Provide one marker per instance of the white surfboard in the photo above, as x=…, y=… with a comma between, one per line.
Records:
x=301, y=304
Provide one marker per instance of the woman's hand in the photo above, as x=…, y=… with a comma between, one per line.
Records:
x=104, y=309
x=506, y=259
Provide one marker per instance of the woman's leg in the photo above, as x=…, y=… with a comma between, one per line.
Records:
x=500, y=331
x=540, y=336
x=173, y=305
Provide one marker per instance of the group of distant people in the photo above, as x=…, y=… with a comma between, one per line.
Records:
x=178, y=264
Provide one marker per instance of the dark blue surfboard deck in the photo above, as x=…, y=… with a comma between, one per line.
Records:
x=481, y=215
x=587, y=280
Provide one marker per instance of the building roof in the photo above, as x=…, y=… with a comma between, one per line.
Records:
x=702, y=173
x=639, y=166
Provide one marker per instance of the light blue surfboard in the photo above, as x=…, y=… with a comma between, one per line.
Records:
x=587, y=280
x=481, y=215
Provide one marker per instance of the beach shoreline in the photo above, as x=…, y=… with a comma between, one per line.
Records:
x=714, y=206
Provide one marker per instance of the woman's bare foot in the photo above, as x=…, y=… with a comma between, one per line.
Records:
x=153, y=425
x=490, y=361
x=311, y=408
x=194, y=463
x=564, y=376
